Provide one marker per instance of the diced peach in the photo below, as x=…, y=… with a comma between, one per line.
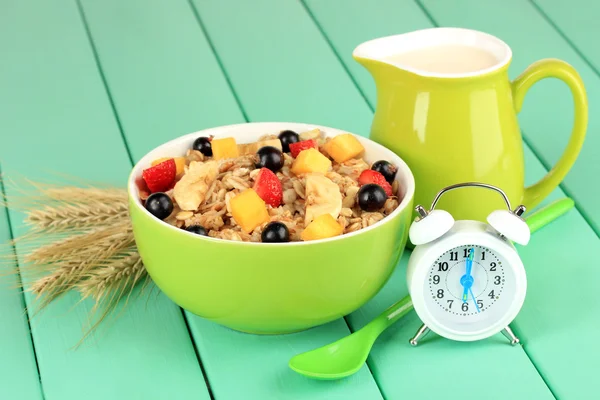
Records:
x=249, y=210
x=343, y=147
x=322, y=227
x=179, y=163
x=310, y=160
x=224, y=148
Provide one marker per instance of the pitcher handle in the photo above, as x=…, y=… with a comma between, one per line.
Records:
x=553, y=68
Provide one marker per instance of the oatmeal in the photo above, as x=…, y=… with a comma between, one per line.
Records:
x=283, y=187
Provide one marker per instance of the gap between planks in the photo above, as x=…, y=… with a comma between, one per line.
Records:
x=132, y=162
x=20, y=283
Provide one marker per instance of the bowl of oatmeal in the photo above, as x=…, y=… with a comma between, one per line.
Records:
x=270, y=227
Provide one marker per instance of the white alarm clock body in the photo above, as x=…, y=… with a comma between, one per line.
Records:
x=497, y=293
x=465, y=278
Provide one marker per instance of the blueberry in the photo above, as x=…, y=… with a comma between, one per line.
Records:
x=202, y=144
x=371, y=197
x=287, y=138
x=197, y=229
x=385, y=168
x=275, y=232
x=160, y=205
x=269, y=157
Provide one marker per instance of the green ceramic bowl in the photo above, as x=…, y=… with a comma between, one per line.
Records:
x=270, y=288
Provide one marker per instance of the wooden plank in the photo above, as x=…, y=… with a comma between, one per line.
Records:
x=387, y=18
x=55, y=115
x=167, y=58
x=281, y=68
x=547, y=322
x=18, y=369
x=578, y=22
x=264, y=77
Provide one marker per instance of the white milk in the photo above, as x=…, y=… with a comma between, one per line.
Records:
x=445, y=59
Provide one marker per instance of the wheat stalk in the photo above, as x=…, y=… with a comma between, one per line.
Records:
x=69, y=271
x=82, y=239
x=112, y=274
x=113, y=284
x=77, y=216
x=82, y=245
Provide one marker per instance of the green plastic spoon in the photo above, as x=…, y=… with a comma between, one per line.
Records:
x=347, y=355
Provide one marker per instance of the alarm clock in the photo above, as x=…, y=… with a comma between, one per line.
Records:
x=465, y=278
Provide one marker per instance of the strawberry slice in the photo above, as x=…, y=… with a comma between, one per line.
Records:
x=160, y=177
x=296, y=148
x=268, y=187
x=370, y=176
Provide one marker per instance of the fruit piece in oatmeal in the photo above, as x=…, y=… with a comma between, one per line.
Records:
x=224, y=148
x=197, y=229
x=322, y=197
x=370, y=176
x=159, y=204
x=269, y=157
x=385, y=168
x=322, y=227
x=202, y=144
x=179, y=163
x=275, y=232
x=371, y=197
x=286, y=138
x=296, y=148
x=161, y=176
x=310, y=160
x=191, y=189
x=343, y=147
x=268, y=187
x=249, y=210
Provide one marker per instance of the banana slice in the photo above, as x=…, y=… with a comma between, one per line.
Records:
x=312, y=134
x=252, y=148
x=322, y=197
x=191, y=189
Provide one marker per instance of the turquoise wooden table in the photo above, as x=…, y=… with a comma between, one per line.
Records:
x=88, y=86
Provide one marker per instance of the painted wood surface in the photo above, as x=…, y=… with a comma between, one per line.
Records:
x=18, y=369
x=155, y=70
x=56, y=117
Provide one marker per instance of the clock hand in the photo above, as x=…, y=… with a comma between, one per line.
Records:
x=467, y=280
x=474, y=300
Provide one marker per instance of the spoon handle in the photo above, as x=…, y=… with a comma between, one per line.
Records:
x=549, y=213
x=390, y=315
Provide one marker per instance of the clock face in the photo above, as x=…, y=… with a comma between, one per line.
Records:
x=469, y=287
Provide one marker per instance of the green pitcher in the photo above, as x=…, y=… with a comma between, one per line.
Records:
x=446, y=105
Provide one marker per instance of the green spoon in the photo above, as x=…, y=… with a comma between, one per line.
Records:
x=346, y=356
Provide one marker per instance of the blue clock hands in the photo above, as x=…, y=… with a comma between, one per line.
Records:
x=474, y=300
x=467, y=280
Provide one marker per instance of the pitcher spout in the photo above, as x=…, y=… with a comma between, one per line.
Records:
x=372, y=55
x=435, y=52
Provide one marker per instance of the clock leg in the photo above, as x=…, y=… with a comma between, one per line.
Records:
x=421, y=333
x=510, y=336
